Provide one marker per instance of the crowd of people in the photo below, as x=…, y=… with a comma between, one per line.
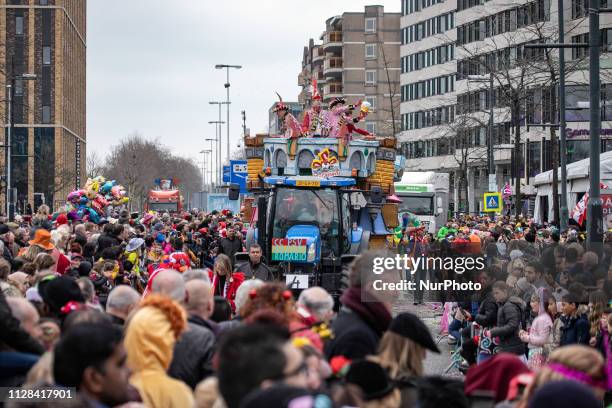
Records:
x=158, y=310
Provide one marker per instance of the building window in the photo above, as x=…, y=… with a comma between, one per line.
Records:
x=370, y=77
x=371, y=127
x=46, y=114
x=46, y=56
x=370, y=51
x=372, y=101
x=18, y=87
x=44, y=2
x=18, y=25
x=370, y=25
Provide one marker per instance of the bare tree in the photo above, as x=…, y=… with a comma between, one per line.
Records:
x=392, y=87
x=94, y=164
x=137, y=162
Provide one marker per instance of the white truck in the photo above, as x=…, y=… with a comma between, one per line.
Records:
x=424, y=194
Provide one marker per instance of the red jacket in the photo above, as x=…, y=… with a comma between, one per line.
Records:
x=231, y=286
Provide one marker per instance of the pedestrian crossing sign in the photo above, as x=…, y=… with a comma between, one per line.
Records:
x=493, y=202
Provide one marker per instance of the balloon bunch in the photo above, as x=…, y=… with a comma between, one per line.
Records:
x=91, y=201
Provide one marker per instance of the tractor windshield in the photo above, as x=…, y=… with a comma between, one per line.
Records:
x=300, y=206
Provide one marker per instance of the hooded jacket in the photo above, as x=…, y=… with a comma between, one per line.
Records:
x=149, y=342
x=509, y=317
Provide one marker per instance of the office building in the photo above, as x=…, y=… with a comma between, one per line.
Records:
x=46, y=38
x=449, y=49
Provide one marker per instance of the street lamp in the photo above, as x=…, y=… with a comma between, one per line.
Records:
x=227, y=87
x=204, y=153
x=211, y=140
x=10, y=209
x=218, y=124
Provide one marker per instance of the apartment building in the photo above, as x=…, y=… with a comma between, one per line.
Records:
x=358, y=58
x=45, y=38
x=451, y=49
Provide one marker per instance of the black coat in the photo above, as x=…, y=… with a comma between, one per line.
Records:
x=487, y=311
x=353, y=337
x=509, y=318
x=192, y=358
x=575, y=330
x=230, y=247
x=259, y=271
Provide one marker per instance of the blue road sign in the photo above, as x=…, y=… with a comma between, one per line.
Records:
x=239, y=174
x=226, y=174
x=492, y=202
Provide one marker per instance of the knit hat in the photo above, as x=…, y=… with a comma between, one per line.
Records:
x=564, y=394
x=61, y=219
x=58, y=291
x=371, y=378
x=4, y=229
x=410, y=326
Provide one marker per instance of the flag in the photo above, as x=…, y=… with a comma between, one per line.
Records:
x=507, y=191
x=579, y=212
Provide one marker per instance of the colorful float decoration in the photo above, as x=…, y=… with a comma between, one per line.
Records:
x=325, y=165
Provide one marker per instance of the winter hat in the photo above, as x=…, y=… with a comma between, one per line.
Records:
x=410, y=326
x=61, y=219
x=84, y=268
x=160, y=238
x=524, y=286
x=515, y=253
x=58, y=291
x=4, y=229
x=564, y=394
x=494, y=374
x=371, y=378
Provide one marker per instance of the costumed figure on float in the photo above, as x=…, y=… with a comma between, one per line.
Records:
x=290, y=126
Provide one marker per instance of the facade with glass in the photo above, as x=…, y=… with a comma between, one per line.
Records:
x=46, y=38
x=446, y=129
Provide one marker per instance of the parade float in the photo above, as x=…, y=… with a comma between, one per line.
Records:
x=322, y=193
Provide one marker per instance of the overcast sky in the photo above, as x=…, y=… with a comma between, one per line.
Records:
x=150, y=64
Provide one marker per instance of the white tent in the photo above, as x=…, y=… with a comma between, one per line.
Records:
x=578, y=179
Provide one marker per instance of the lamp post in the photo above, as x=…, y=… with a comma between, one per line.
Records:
x=227, y=87
x=212, y=166
x=10, y=87
x=218, y=124
x=204, y=153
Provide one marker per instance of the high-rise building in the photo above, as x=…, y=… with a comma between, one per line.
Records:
x=450, y=51
x=358, y=58
x=46, y=38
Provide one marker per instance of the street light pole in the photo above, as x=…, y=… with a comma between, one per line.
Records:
x=218, y=124
x=212, y=166
x=564, y=210
x=227, y=88
x=594, y=204
x=9, y=143
x=490, y=151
